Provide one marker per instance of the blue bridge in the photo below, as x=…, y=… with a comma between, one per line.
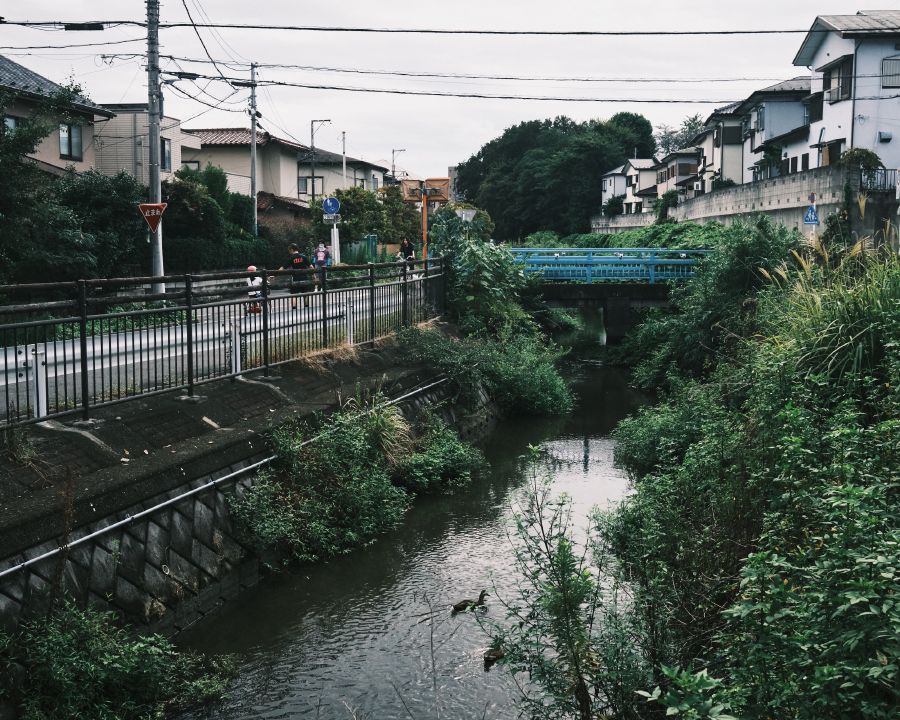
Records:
x=590, y=265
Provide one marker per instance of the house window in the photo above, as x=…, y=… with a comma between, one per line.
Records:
x=838, y=80
x=10, y=122
x=190, y=164
x=804, y=161
x=890, y=73
x=69, y=142
x=761, y=117
x=374, y=182
x=361, y=182
x=638, y=207
x=304, y=185
x=165, y=154
x=793, y=164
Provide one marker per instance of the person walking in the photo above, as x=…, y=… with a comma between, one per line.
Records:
x=297, y=262
x=321, y=257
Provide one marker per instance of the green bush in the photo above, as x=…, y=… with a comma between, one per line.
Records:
x=350, y=484
x=519, y=373
x=77, y=664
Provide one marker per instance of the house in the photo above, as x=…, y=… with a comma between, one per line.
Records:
x=69, y=146
x=640, y=185
x=284, y=167
x=721, y=146
x=767, y=116
x=122, y=143
x=677, y=171
x=854, y=63
x=612, y=184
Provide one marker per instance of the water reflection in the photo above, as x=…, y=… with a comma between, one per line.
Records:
x=356, y=634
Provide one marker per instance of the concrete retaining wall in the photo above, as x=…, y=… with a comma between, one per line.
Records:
x=165, y=571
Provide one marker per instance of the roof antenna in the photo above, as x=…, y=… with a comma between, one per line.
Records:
x=635, y=152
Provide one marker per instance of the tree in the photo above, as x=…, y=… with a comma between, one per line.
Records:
x=669, y=139
x=546, y=174
x=400, y=219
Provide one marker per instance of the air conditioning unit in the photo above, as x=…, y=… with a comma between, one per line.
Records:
x=698, y=186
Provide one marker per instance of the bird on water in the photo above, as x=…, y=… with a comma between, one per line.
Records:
x=468, y=604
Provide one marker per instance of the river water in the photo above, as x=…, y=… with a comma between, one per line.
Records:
x=371, y=635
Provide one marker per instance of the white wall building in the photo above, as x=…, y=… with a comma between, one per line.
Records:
x=612, y=184
x=640, y=185
x=854, y=62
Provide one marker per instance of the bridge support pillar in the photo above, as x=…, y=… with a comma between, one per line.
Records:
x=618, y=317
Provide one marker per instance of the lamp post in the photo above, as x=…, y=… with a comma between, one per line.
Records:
x=312, y=150
x=394, y=154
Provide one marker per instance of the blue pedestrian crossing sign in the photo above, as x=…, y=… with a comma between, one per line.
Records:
x=811, y=217
x=331, y=205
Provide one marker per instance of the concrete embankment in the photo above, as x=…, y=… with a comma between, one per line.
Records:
x=129, y=512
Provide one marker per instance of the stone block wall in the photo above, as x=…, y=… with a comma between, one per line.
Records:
x=162, y=572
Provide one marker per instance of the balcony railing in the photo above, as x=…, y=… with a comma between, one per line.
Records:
x=879, y=180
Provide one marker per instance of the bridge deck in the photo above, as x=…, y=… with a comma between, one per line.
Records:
x=589, y=265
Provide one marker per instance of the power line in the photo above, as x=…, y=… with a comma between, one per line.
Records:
x=200, y=38
x=66, y=47
x=53, y=24
x=483, y=96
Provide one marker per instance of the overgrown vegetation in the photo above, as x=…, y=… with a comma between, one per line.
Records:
x=339, y=486
x=759, y=551
x=77, y=664
x=671, y=235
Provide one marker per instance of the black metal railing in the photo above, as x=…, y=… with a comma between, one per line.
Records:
x=66, y=348
x=878, y=180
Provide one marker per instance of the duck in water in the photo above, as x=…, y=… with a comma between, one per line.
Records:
x=467, y=604
x=492, y=655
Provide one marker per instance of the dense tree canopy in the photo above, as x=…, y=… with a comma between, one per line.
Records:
x=546, y=174
x=670, y=139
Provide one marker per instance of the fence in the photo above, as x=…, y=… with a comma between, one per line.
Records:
x=879, y=180
x=70, y=347
x=609, y=264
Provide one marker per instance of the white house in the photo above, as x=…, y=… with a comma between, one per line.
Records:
x=721, y=148
x=854, y=63
x=640, y=185
x=612, y=184
x=766, y=116
x=677, y=171
x=122, y=143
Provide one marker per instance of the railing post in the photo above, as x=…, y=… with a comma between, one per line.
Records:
x=652, y=261
x=264, y=301
x=236, y=346
x=372, y=302
x=404, y=312
x=324, y=278
x=189, y=330
x=35, y=368
x=348, y=320
x=82, y=329
x=590, y=266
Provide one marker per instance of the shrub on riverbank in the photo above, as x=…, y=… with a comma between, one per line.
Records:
x=519, y=373
x=350, y=483
x=760, y=547
x=77, y=664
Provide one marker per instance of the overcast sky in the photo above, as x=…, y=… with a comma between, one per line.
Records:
x=434, y=131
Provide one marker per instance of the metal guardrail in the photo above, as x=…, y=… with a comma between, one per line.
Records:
x=591, y=265
x=66, y=348
x=878, y=180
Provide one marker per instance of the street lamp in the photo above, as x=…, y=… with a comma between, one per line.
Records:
x=312, y=149
x=394, y=154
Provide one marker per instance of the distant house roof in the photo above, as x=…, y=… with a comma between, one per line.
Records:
x=647, y=191
x=797, y=133
x=866, y=23
x=684, y=152
x=641, y=163
x=615, y=171
x=23, y=81
x=795, y=88
x=241, y=136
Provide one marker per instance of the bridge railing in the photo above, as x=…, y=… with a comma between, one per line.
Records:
x=66, y=348
x=609, y=264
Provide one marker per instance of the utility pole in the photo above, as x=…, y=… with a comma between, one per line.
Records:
x=394, y=154
x=253, y=146
x=154, y=93
x=312, y=149
x=344, y=157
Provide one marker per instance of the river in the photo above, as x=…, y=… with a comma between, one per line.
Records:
x=371, y=635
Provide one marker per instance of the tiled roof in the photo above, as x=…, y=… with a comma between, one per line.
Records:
x=864, y=23
x=801, y=83
x=241, y=136
x=614, y=171
x=641, y=163
x=20, y=79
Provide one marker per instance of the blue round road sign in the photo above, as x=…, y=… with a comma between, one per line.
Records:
x=331, y=205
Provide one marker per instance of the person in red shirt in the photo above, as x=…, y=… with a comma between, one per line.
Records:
x=298, y=262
